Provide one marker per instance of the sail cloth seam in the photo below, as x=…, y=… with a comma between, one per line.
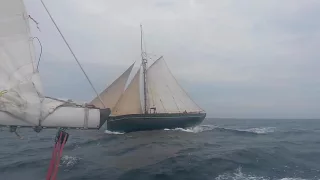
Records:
x=18, y=68
x=171, y=94
x=181, y=87
x=174, y=100
x=154, y=91
x=163, y=106
x=155, y=62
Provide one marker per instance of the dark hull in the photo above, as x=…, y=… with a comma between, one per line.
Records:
x=145, y=122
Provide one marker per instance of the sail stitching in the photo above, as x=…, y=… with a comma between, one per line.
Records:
x=124, y=105
x=172, y=94
x=181, y=87
x=10, y=56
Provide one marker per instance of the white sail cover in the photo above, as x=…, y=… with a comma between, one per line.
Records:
x=130, y=102
x=112, y=93
x=21, y=93
x=164, y=92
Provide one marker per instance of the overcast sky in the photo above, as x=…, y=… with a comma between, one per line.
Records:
x=236, y=58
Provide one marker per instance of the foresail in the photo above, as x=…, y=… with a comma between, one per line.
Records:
x=129, y=102
x=20, y=87
x=164, y=92
x=112, y=93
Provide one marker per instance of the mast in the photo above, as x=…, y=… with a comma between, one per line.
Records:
x=144, y=66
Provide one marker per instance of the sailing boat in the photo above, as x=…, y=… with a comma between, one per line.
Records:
x=22, y=101
x=165, y=104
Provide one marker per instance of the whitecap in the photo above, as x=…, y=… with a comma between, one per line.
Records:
x=239, y=175
x=112, y=132
x=69, y=161
x=196, y=129
x=261, y=130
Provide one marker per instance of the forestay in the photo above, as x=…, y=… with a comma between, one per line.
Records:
x=112, y=93
x=164, y=92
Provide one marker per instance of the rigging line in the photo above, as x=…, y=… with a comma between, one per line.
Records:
x=181, y=86
x=73, y=54
x=174, y=100
x=40, y=52
x=36, y=22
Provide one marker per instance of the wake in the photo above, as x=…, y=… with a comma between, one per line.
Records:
x=204, y=128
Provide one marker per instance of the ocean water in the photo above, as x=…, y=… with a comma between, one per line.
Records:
x=218, y=149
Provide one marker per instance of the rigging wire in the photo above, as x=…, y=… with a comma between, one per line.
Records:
x=73, y=54
x=40, y=52
x=36, y=22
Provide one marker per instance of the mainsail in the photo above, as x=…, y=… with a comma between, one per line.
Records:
x=19, y=81
x=129, y=102
x=164, y=92
x=112, y=93
x=22, y=102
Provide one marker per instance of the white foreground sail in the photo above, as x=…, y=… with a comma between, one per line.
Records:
x=22, y=101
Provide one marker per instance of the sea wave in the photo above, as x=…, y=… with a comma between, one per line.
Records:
x=113, y=132
x=196, y=129
x=203, y=128
x=257, y=130
x=69, y=161
x=239, y=175
x=260, y=130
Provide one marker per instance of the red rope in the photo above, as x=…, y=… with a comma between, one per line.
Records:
x=56, y=156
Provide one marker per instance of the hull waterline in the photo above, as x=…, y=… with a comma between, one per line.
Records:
x=146, y=122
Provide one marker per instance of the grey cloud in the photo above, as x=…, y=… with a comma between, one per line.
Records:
x=236, y=58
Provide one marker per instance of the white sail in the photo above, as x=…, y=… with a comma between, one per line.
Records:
x=129, y=102
x=21, y=97
x=164, y=92
x=19, y=82
x=112, y=93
